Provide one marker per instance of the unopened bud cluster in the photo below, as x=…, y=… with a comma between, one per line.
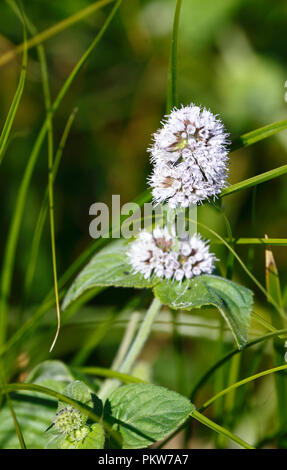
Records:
x=68, y=420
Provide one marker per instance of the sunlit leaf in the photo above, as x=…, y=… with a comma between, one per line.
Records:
x=232, y=300
x=110, y=267
x=146, y=413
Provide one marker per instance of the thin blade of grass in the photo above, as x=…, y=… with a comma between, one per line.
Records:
x=260, y=134
x=232, y=387
x=255, y=180
x=172, y=99
x=16, y=423
x=272, y=275
x=242, y=264
x=250, y=138
x=229, y=355
x=219, y=429
x=56, y=29
x=13, y=414
x=14, y=387
x=13, y=235
x=17, y=97
x=110, y=373
x=259, y=241
x=45, y=85
x=274, y=289
x=44, y=209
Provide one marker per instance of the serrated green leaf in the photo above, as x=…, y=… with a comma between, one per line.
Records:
x=232, y=300
x=55, y=441
x=34, y=413
x=78, y=391
x=95, y=439
x=109, y=267
x=50, y=370
x=146, y=413
x=34, y=417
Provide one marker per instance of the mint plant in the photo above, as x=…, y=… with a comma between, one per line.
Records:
x=77, y=403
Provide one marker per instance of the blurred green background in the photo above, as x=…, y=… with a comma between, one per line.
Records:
x=232, y=59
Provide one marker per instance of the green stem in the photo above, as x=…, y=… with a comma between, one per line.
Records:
x=240, y=383
x=102, y=372
x=255, y=180
x=279, y=309
x=135, y=349
x=13, y=414
x=43, y=211
x=228, y=356
x=56, y=29
x=14, y=387
x=126, y=341
x=219, y=429
x=141, y=337
x=18, y=94
x=13, y=235
x=172, y=69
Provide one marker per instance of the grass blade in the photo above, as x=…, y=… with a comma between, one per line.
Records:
x=259, y=134
x=232, y=387
x=242, y=264
x=14, y=387
x=22, y=194
x=56, y=29
x=219, y=429
x=274, y=289
x=13, y=414
x=16, y=99
x=272, y=275
x=229, y=355
x=43, y=211
x=255, y=180
x=172, y=99
x=16, y=423
x=103, y=372
x=259, y=241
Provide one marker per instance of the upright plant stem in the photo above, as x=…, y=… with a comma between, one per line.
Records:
x=9, y=257
x=43, y=211
x=126, y=341
x=234, y=386
x=10, y=406
x=136, y=347
x=18, y=94
x=141, y=337
x=122, y=351
x=172, y=70
x=219, y=429
x=273, y=288
x=228, y=356
x=47, y=97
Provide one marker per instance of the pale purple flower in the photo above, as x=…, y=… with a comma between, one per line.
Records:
x=189, y=156
x=159, y=253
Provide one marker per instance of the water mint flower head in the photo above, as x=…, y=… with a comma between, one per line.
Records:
x=68, y=420
x=160, y=253
x=79, y=435
x=190, y=157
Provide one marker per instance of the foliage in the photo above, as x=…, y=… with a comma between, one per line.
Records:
x=99, y=394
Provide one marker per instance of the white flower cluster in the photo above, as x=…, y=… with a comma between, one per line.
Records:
x=161, y=254
x=190, y=157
